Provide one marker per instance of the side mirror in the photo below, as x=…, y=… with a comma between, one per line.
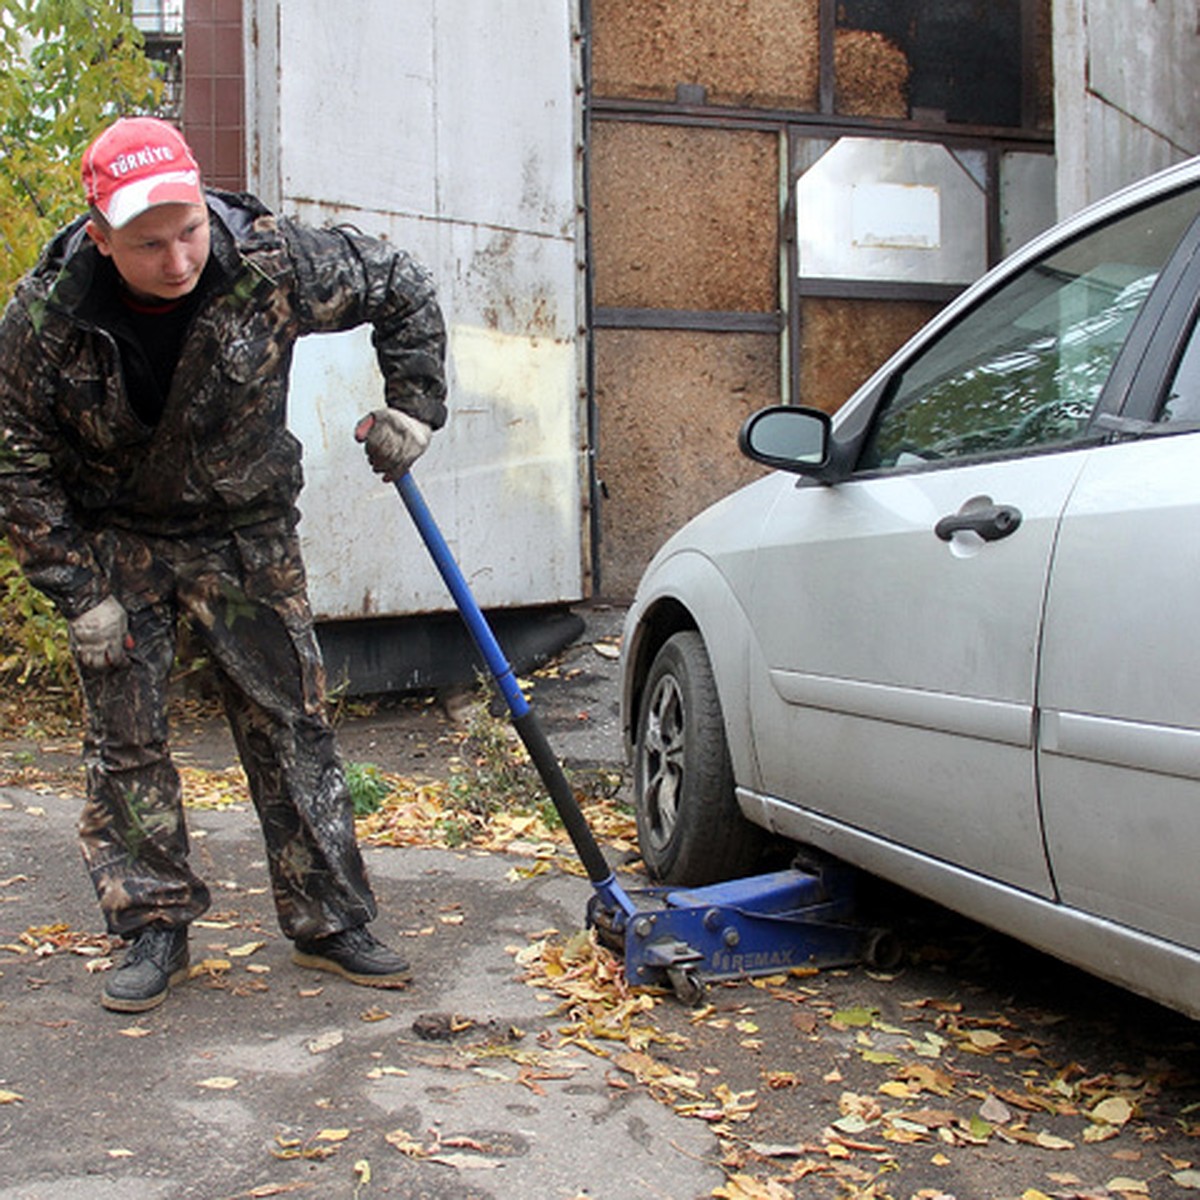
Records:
x=788, y=438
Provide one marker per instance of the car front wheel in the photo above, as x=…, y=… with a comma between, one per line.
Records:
x=690, y=828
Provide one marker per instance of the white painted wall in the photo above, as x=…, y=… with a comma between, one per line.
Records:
x=451, y=127
x=1127, y=93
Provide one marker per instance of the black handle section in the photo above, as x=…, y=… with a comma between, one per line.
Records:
x=992, y=523
x=548, y=767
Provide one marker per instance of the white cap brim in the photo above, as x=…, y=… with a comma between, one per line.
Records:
x=171, y=187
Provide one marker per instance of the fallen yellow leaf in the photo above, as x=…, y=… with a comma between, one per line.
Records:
x=746, y=1187
x=404, y=1141
x=245, y=950
x=984, y=1039
x=1116, y=1110
x=325, y=1041
x=854, y=1018
x=210, y=966
x=362, y=1170
x=381, y=1072
x=1050, y=1141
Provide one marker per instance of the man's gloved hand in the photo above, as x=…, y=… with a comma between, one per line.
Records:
x=100, y=635
x=393, y=441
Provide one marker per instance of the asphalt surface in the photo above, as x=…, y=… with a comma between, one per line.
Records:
x=264, y=1079
x=972, y=1072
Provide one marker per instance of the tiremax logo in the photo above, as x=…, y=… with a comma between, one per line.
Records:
x=134, y=160
x=752, y=961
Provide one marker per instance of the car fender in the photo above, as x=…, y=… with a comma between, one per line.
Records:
x=684, y=589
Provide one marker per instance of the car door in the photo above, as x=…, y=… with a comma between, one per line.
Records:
x=1119, y=743
x=898, y=613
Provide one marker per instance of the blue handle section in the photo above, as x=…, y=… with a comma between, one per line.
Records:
x=450, y=571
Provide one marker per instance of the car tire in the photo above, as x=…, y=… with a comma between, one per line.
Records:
x=690, y=829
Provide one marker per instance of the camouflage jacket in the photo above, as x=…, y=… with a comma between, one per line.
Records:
x=75, y=458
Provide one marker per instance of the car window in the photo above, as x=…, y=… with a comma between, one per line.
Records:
x=1182, y=405
x=1025, y=367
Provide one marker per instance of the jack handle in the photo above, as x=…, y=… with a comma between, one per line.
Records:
x=524, y=720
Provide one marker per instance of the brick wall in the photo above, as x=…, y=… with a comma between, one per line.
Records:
x=214, y=116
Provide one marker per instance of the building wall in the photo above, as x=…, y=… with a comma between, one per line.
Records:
x=1127, y=90
x=697, y=111
x=693, y=324
x=682, y=219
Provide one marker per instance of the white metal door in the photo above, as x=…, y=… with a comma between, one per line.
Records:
x=450, y=128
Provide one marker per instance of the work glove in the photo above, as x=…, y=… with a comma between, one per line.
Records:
x=393, y=441
x=100, y=636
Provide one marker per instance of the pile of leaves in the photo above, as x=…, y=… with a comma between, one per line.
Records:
x=491, y=798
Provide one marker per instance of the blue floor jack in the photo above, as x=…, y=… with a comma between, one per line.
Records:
x=675, y=937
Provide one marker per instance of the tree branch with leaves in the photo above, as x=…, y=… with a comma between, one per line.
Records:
x=68, y=68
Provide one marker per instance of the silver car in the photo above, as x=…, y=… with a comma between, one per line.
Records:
x=953, y=638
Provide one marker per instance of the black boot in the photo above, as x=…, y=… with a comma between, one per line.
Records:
x=355, y=954
x=156, y=959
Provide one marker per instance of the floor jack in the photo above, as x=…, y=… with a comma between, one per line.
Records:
x=674, y=937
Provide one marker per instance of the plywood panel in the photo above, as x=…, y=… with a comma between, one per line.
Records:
x=843, y=341
x=684, y=218
x=872, y=75
x=670, y=405
x=744, y=52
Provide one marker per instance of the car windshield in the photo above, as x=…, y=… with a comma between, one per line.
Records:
x=1026, y=366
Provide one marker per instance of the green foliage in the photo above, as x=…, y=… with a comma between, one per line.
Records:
x=33, y=637
x=368, y=788
x=67, y=68
x=455, y=831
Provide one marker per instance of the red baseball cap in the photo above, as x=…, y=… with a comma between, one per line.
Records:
x=136, y=163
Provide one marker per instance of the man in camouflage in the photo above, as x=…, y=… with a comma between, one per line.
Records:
x=147, y=475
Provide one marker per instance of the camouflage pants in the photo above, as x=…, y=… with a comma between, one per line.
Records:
x=244, y=595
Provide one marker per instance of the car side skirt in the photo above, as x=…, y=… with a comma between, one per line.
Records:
x=1160, y=970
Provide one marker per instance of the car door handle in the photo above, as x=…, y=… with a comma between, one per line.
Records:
x=991, y=523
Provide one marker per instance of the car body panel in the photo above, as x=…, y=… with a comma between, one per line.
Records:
x=902, y=667
x=1120, y=690
x=714, y=580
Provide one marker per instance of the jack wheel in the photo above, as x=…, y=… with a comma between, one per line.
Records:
x=689, y=989
x=883, y=950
